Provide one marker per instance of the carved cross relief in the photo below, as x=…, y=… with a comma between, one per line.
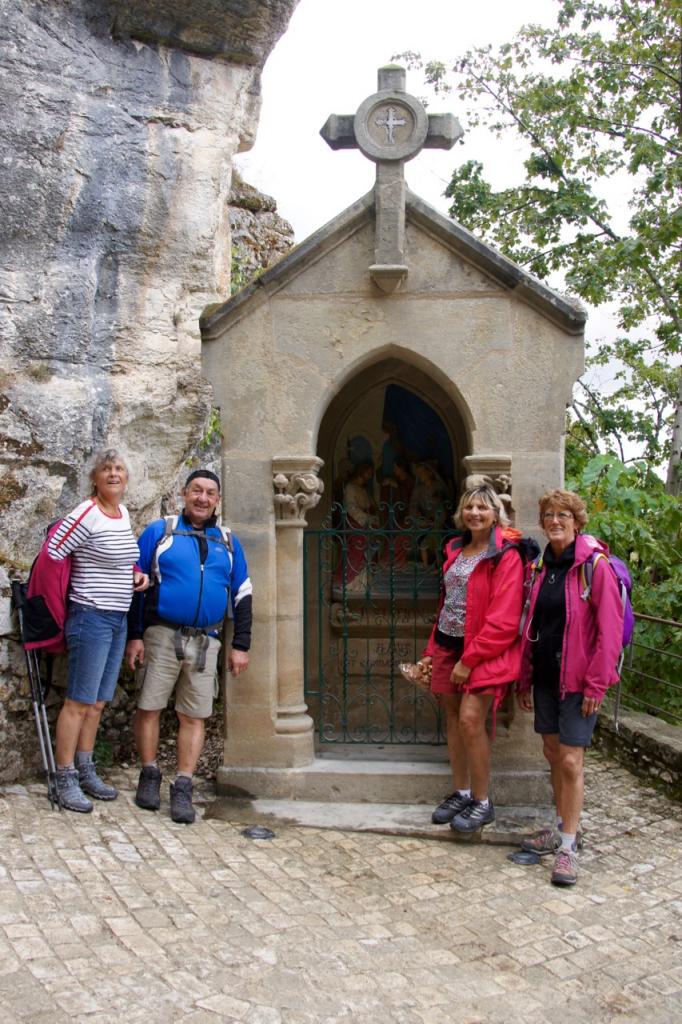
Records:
x=390, y=128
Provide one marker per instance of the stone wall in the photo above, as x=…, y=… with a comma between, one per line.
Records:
x=120, y=123
x=648, y=746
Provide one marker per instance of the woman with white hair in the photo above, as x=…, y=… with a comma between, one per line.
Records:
x=473, y=654
x=97, y=537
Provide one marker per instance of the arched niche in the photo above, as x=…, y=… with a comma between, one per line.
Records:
x=367, y=387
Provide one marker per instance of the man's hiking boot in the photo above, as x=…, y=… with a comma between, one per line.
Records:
x=148, y=795
x=546, y=840
x=91, y=783
x=451, y=806
x=473, y=817
x=565, y=870
x=182, y=810
x=71, y=796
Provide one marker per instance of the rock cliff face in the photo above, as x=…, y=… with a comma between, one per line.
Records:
x=120, y=123
x=259, y=235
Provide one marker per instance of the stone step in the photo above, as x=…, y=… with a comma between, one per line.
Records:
x=341, y=780
x=510, y=825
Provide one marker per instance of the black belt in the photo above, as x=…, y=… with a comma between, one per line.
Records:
x=181, y=633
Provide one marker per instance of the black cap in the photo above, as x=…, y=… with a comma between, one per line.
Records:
x=203, y=473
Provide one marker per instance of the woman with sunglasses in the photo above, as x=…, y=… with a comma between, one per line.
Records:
x=572, y=641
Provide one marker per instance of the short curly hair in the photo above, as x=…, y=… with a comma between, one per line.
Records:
x=101, y=459
x=568, y=500
x=489, y=497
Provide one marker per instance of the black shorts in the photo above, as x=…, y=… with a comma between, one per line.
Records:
x=563, y=717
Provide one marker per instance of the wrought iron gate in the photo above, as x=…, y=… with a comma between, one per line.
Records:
x=371, y=595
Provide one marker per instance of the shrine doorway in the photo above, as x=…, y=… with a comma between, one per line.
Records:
x=392, y=441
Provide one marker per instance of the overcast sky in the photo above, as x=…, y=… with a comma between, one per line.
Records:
x=327, y=61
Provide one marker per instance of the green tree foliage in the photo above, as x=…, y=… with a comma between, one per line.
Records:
x=597, y=101
x=630, y=509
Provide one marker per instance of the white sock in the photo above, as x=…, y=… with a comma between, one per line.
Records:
x=464, y=792
x=568, y=841
x=484, y=803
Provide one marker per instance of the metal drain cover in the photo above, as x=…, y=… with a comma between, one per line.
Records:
x=258, y=832
x=523, y=857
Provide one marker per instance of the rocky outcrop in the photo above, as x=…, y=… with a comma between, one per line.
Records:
x=120, y=123
x=259, y=235
x=241, y=33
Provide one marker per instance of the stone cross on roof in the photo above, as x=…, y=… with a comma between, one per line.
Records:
x=390, y=128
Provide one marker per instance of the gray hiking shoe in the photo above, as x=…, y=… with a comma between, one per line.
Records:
x=451, y=806
x=91, y=783
x=546, y=840
x=565, y=870
x=182, y=810
x=148, y=795
x=473, y=817
x=71, y=796
x=542, y=842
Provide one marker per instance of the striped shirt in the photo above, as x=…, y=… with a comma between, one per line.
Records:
x=103, y=551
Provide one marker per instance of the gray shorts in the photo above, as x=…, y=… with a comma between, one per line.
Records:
x=161, y=673
x=554, y=716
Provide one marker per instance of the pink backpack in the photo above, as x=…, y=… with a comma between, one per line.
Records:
x=44, y=597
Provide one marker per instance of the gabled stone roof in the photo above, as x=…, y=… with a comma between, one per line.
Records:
x=571, y=316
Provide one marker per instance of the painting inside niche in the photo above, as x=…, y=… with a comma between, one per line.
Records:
x=393, y=467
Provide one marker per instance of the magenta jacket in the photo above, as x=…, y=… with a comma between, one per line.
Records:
x=593, y=636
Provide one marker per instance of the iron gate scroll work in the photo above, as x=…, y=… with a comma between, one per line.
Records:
x=371, y=596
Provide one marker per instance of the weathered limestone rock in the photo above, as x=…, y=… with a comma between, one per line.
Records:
x=117, y=141
x=259, y=235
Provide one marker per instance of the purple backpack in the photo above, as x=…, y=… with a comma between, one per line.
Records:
x=620, y=571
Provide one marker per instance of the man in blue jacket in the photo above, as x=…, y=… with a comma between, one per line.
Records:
x=196, y=569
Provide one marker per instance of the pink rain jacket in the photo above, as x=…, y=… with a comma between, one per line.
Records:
x=593, y=635
x=492, y=648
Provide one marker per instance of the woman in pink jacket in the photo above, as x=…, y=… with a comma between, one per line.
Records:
x=571, y=647
x=473, y=653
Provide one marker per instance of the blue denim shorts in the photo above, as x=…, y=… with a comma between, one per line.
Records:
x=95, y=640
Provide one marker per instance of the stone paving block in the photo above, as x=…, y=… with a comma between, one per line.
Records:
x=389, y=929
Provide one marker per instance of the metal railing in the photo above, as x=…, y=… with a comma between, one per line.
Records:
x=651, y=678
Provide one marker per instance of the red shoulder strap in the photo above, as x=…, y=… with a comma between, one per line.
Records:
x=74, y=525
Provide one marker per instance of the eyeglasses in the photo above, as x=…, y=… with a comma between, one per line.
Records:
x=563, y=517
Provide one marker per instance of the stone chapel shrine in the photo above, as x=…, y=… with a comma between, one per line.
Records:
x=361, y=380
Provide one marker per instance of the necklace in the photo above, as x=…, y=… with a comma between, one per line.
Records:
x=551, y=578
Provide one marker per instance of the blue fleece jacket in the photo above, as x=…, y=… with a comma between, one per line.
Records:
x=194, y=579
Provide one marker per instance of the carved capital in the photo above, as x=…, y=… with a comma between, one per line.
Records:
x=495, y=468
x=297, y=488
x=491, y=469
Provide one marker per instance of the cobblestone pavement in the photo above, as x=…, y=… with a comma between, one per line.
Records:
x=122, y=915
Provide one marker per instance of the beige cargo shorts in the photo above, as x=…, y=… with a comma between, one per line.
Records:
x=161, y=673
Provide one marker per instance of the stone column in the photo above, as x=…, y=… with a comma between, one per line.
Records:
x=297, y=489
x=517, y=748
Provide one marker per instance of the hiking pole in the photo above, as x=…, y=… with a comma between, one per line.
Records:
x=43, y=728
x=38, y=700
